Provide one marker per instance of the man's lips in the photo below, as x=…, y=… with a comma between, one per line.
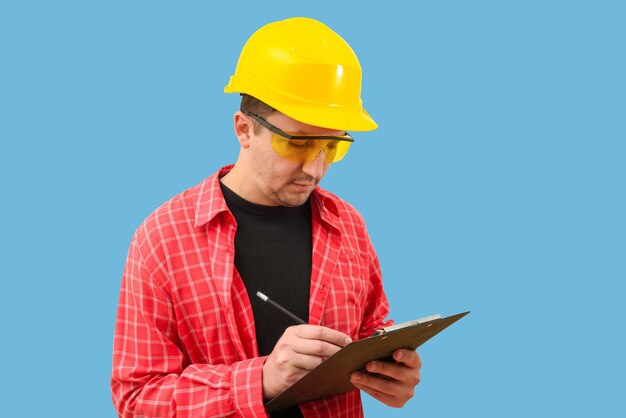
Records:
x=304, y=185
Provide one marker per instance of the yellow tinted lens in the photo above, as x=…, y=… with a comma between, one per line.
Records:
x=336, y=150
x=296, y=151
x=303, y=150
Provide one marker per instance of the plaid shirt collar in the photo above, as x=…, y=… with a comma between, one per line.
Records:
x=211, y=203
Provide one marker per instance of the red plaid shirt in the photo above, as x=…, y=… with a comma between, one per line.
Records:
x=185, y=342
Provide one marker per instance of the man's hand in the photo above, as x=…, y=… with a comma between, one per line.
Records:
x=392, y=383
x=300, y=349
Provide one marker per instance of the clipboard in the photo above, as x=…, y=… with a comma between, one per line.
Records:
x=332, y=377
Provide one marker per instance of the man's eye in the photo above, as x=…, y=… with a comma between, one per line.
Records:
x=332, y=145
x=298, y=143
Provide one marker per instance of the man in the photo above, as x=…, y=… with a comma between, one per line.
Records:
x=192, y=338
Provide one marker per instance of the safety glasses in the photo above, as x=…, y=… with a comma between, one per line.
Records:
x=306, y=148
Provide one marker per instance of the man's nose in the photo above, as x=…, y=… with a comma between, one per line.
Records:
x=315, y=168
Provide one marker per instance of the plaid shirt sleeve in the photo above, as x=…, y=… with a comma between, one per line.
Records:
x=152, y=377
x=376, y=305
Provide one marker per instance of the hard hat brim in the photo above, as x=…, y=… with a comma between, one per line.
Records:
x=335, y=117
x=339, y=119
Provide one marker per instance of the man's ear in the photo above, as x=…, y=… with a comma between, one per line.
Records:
x=243, y=129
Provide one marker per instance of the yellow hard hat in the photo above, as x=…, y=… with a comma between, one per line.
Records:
x=303, y=69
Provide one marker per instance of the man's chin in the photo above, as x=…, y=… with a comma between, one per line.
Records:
x=293, y=199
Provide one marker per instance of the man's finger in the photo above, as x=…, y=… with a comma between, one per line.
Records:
x=382, y=385
x=408, y=357
x=314, y=347
x=314, y=332
x=394, y=371
x=306, y=363
x=378, y=388
x=382, y=397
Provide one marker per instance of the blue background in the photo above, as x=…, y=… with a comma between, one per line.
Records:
x=495, y=184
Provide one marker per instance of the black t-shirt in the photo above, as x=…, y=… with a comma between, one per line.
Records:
x=273, y=254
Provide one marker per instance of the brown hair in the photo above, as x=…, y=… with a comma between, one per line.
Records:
x=250, y=104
